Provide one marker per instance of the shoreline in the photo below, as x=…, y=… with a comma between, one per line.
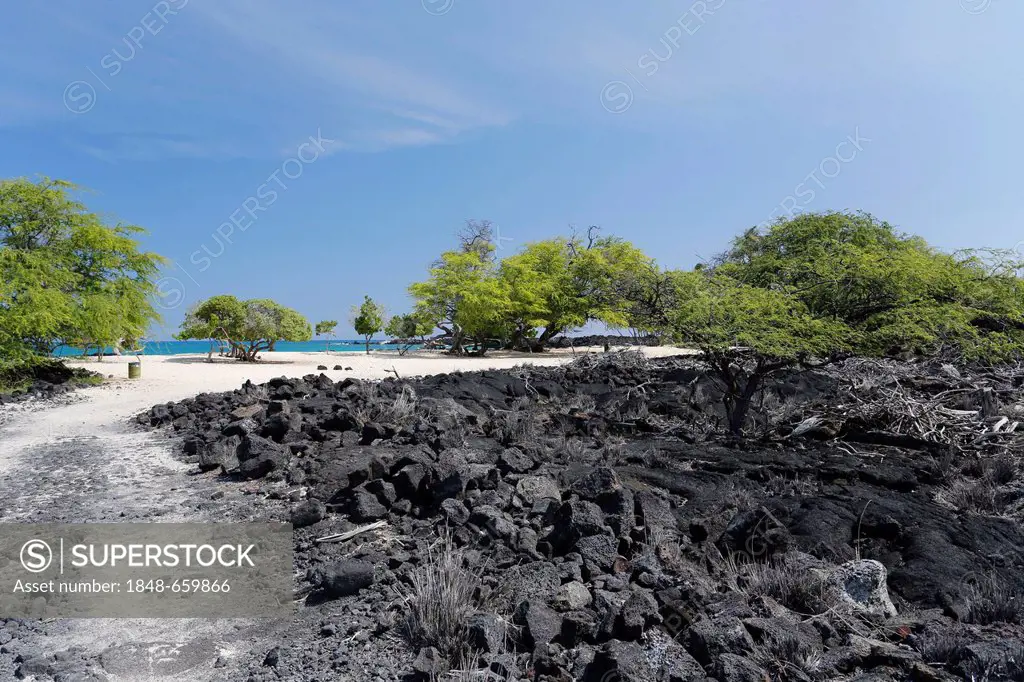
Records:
x=168, y=378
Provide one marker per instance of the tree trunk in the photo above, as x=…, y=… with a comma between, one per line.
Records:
x=367, y=338
x=735, y=398
x=457, y=339
x=739, y=402
x=481, y=347
x=545, y=336
x=516, y=342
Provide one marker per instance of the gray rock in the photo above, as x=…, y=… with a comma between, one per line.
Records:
x=35, y=666
x=655, y=512
x=346, y=577
x=384, y=491
x=501, y=667
x=865, y=653
x=709, y=638
x=486, y=632
x=278, y=426
x=538, y=580
x=572, y=597
x=408, y=480
x=539, y=622
x=679, y=666
x=430, y=662
x=307, y=513
x=492, y=521
x=535, y=488
x=639, y=611
x=514, y=460
x=599, y=553
x=246, y=412
x=861, y=585
x=278, y=407
x=783, y=634
x=993, y=655
x=619, y=661
x=220, y=453
x=575, y=520
x=365, y=506
x=526, y=541
x=240, y=427
x=951, y=371
x=258, y=456
x=733, y=668
x=578, y=627
x=449, y=481
x=599, y=482
x=455, y=511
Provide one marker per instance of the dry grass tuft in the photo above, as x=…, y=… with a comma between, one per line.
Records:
x=794, y=587
x=989, y=600
x=518, y=424
x=944, y=648
x=402, y=409
x=441, y=600
x=981, y=496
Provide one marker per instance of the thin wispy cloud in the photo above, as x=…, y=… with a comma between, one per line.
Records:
x=155, y=146
x=244, y=77
x=363, y=86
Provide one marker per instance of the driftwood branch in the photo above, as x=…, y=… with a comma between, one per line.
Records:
x=348, y=535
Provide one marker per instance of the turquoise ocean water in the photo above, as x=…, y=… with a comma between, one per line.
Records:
x=191, y=347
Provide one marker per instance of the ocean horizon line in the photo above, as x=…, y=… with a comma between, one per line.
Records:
x=175, y=347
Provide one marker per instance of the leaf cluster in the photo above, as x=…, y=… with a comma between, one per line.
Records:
x=66, y=277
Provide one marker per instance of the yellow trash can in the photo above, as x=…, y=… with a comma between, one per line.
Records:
x=134, y=370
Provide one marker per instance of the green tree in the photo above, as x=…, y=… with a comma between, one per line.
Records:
x=901, y=294
x=67, y=278
x=746, y=334
x=548, y=288
x=821, y=285
x=650, y=296
x=249, y=327
x=408, y=328
x=463, y=298
x=368, y=319
x=326, y=327
x=561, y=284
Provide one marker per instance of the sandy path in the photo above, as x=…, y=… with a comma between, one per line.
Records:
x=82, y=461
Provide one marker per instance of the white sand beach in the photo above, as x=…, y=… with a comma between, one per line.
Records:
x=168, y=378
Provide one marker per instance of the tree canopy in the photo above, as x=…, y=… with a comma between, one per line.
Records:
x=523, y=301
x=899, y=293
x=67, y=278
x=408, y=328
x=368, y=319
x=462, y=296
x=326, y=328
x=249, y=327
x=747, y=333
x=824, y=284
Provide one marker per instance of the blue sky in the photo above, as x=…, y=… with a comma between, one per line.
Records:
x=673, y=124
